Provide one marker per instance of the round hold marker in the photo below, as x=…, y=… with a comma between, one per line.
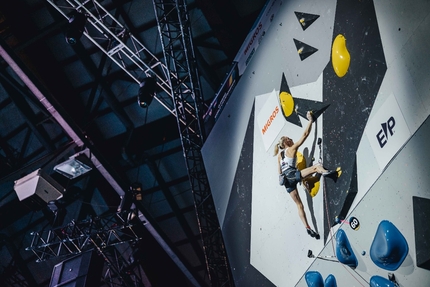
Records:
x=354, y=223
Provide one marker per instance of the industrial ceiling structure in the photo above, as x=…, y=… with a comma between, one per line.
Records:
x=133, y=218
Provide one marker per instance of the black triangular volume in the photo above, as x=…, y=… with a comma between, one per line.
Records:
x=304, y=50
x=284, y=85
x=306, y=19
x=294, y=117
x=421, y=212
x=303, y=106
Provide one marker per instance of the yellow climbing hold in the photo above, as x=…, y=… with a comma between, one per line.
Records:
x=339, y=171
x=312, y=184
x=301, y=161
x=287, y=103
x=302, y=21
x=340, y=57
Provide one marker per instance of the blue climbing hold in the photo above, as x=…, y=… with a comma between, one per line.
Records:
x=314, y=279
x=389, y=247
x=344, y=251
x=330, y=281
x=378, y=281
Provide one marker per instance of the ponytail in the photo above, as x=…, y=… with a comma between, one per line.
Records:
x=276, y=150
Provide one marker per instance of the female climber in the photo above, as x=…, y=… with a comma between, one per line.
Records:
x=286, y=150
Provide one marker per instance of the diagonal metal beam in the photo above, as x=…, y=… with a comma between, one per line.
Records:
x=76, y=138
x=18, y=96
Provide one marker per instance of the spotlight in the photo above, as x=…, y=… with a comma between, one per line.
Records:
x=146, y=92
x=74, y=166
x=75, y=28
x=136, y=190
x=134, y=193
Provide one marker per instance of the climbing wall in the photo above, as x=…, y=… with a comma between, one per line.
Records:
x=385, y=233
x=360, y=66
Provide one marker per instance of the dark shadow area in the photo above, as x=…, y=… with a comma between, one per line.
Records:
x=350, y=97
x=310, y=159
x=237, y=223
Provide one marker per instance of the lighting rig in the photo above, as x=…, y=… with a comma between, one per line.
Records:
x=103, y=234
x=180, y=93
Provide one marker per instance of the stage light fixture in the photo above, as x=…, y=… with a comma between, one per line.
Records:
x=38, y=188
x=75, y=28
x=73, y=167
x=136, y=190
x=146, y=92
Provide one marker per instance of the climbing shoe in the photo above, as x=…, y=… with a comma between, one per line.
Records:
x=313, y=233
x=333, y=174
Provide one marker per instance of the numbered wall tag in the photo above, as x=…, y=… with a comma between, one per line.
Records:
x=354, y=223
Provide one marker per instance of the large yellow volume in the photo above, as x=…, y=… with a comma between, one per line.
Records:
x=340, y=57
x=310, y=183
x=287, y=103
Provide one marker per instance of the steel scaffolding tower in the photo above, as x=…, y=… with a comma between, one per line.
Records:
x=176, y=39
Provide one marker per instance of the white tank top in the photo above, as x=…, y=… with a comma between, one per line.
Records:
x=287, y=162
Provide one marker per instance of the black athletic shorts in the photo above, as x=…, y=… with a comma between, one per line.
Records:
x=293, y=177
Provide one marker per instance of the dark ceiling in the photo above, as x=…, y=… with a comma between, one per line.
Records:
x=95, y=111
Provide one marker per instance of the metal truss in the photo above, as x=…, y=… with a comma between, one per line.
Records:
x=12, y=157
x=97, y=233
x=76, y=237
x=102, y=234
x=123, y=48
x=182, y=96
x=175, y=32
